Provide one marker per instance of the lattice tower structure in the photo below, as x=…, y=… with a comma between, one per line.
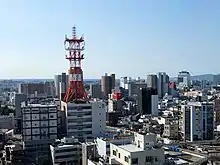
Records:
x=74, y=47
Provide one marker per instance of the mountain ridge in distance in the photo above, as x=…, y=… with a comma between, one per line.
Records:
x=208, y=77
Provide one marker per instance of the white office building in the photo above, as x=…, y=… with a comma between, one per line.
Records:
x=39, y=127
x=85, y=120
x=183, y=79
x=66, y=151
x=143, y=151
x=103, y=144
x=198, y=121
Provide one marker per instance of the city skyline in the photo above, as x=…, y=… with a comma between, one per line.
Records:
x=169, y=36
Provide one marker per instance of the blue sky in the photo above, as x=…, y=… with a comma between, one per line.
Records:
x=127, y=37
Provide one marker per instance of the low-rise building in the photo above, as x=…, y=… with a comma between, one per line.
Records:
x=66, y=151
x=103, y=144
x=142, y=151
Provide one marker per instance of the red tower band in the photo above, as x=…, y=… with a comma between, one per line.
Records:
x=74, y=47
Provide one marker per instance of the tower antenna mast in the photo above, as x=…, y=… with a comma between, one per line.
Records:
x=74, y=47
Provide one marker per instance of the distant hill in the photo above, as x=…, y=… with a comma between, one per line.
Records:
x=208, y=77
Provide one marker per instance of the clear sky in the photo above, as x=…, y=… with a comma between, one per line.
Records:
x=127, y=37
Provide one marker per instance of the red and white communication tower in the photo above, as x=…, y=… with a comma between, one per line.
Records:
x=74, y=47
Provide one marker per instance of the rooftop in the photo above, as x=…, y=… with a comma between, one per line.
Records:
x=199, y=103
x=63, y=145
x=131, y=148
x=112, y=136
x=43, y=104
x=178, y=161
x=60, y=146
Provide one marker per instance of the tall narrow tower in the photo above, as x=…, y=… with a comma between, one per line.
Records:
x=74, y=47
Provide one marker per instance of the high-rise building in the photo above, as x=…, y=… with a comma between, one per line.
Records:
x=163, y=84
x=216, y=79
x=106, y=83
x=134, y=87
x=57, y=80
x=113, y=81
x=61, y=84
x=148, y=101
x=198, y=121
x=152, y=81
x=85, y=120
x=217, y=110
x=124, y=81
x=31, y=89
x=19, y=98
x=183, y=79
x=96, y=91
x=39, y=127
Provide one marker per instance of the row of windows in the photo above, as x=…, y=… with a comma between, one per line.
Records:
x=79, y=120
x=79, y=127
x=37, y=117
x=81, y=133
x=79, y=114
x=68, y=150
x=67, y=156
x=80, y=107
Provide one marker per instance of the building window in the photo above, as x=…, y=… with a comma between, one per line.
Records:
x=149, y=159
x=126, y=159
x=114, y=152
x=119, y=155
x=135, y=161
x=51, y=116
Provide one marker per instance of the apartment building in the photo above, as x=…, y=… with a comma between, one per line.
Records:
x=31, y=89
x=103, y=144
x=39, y=127
x=144, y=151
x=198, y=121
